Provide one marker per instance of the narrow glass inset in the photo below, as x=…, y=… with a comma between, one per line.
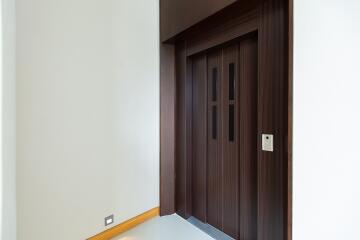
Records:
x=231, y=122
x=214, y=83
x=231, y=81
x=214, y=122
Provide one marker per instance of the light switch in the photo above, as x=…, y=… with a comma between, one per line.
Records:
x=268, y=142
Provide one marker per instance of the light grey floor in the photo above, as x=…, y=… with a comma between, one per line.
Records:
x=165, y=228
x=218, y=235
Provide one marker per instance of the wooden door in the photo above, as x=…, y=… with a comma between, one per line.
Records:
x=224, y=160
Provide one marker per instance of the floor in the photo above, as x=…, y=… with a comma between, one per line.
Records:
x=165, y=228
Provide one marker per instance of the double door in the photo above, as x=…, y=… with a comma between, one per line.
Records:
x=224, y=138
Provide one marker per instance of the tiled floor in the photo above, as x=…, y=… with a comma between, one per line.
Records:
x=165, y=228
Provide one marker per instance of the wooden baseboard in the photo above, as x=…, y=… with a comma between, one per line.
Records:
x=127, y=225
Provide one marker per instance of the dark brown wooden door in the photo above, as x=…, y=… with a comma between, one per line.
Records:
x=224, y=159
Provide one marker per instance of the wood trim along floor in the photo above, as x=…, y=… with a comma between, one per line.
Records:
x=127, y=225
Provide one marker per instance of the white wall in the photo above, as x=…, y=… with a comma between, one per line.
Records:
x=1, y=121
x=87, y=114
x=7, y=139
x=327, y=120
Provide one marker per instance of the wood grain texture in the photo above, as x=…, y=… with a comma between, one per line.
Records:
x=272, y=119
x=167, y=129
x=184, y=153
x=178, y=15
x=181, y=134
x=199, y=165
x=274, y=91
x=229, y=30
x=230, y=152
x=127, y=225
x=214, y=166
x=189, y=134
x=248, y=70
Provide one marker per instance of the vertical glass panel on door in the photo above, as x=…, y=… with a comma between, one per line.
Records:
x=214, y=83
x=231, y=81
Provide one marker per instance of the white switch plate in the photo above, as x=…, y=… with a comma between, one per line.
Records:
x=268, y=142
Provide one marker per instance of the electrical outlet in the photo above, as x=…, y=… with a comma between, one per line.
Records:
x=109, y=220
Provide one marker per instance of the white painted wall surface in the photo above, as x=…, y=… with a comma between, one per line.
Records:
x=327, y=120
x=8, y=122
x=87, y=115
x=1, y=122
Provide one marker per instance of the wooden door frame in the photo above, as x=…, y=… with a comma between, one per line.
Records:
x=275, y=29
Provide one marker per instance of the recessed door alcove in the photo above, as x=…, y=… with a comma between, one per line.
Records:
x=225, y=81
